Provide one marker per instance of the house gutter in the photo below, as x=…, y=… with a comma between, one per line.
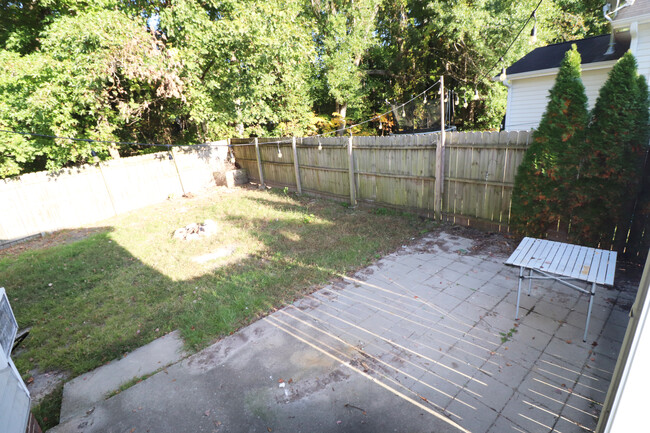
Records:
x=553, y=71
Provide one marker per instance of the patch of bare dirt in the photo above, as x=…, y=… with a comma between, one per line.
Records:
x=49, y=240
x=41, y=384
x=485, y=243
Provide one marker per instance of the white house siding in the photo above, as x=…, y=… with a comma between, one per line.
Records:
x=642, y=49
x=528, y=97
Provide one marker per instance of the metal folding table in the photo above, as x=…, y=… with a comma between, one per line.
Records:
x=563, y=262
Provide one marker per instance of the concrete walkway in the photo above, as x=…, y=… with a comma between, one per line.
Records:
x=423, y=341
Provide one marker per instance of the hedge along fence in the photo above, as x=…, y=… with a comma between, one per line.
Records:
x=43, y=202
x=399, y=171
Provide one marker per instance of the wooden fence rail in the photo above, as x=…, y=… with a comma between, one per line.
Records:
x=398, y=171
x=478, y=174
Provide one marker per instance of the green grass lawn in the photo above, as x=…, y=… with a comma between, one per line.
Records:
x=91, y=300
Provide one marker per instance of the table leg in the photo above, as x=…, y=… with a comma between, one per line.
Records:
x=591, y=303
x=521, y=277
x=530, y=281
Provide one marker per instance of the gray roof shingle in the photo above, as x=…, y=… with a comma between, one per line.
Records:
x=591, y=50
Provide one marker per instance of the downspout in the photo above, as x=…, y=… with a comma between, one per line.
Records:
x=608, y=13
x=610, y=48
x=508, y=102
x=508, y=85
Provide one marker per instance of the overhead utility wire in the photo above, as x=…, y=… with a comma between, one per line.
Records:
x=89, y=140
x=530, y=17
x=129, y=143
x=360, y=123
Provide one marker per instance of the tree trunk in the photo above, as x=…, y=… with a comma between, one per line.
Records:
x=342, y=110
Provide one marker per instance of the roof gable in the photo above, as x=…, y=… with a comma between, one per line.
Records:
x=592, y=50
x=639, y=11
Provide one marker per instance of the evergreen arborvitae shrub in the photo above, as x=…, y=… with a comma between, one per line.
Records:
x=542, y=183
x=609, y=167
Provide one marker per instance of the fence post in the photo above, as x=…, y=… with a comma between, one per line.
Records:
x=440, y=155
x=295, y=165
x=173, y=157
x=259, y=162
x=108, y=190
x=353, y=190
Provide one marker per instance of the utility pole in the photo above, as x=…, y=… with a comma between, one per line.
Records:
x=440, y=155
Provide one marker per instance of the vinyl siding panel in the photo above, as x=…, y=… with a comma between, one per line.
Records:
x=528, y=97
x=642, y=53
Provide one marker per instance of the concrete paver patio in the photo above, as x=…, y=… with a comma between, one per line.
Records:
x=423, y=341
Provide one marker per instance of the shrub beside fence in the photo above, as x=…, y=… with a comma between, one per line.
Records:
x=43, y=202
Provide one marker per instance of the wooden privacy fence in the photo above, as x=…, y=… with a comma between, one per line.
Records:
x=398, y=171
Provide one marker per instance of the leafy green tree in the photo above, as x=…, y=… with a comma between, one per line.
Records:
x=98, y=75
x=217, y=68
x=22, y=22
x=544, y=179
x=464, y=40
x=248, y=63
x=611, y=158
x=346, y=33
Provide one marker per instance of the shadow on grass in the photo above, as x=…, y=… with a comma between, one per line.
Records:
x=90, y=301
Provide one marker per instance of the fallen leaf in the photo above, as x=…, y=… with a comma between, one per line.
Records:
x=207, y=412
x=268, y=429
